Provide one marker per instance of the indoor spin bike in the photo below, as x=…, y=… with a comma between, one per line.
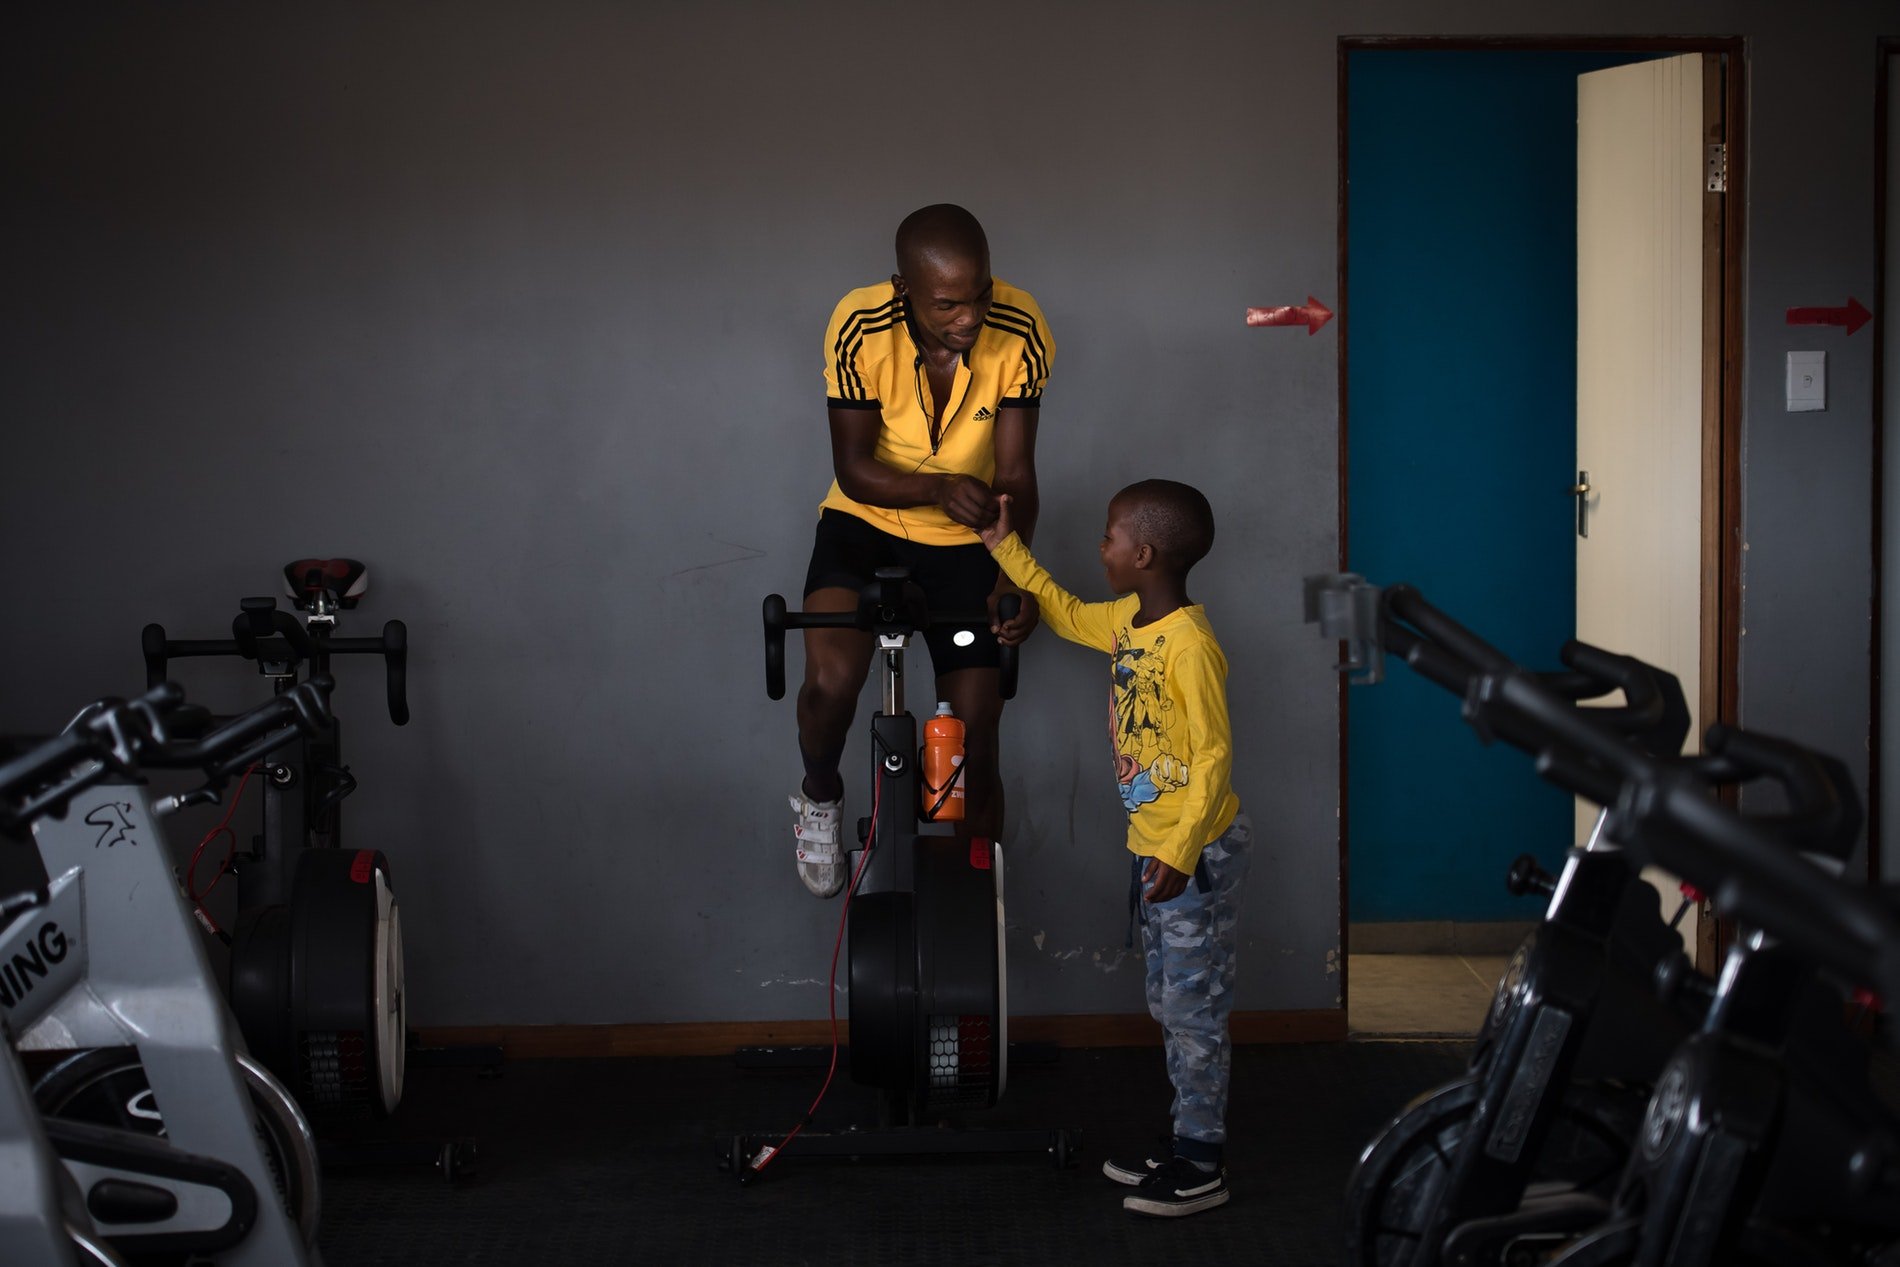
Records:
x=103, y=957
x=929, y=1016
x=316, y=967
x=1762, y=1142
x=316, y=948
x=1523, y=1152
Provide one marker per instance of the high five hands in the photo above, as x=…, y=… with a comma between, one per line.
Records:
x=967, y=500
x=1008, y=632
x=999, y=525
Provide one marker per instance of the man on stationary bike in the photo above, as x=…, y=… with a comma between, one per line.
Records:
x=934, y=384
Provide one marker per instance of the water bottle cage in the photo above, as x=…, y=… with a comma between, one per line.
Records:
x=943, y=795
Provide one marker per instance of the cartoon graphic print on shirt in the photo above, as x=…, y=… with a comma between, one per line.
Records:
x=1145, y=764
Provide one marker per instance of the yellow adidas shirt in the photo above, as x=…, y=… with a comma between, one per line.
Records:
x=872, y=362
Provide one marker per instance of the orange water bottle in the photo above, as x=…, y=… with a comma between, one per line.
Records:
x=943, y=767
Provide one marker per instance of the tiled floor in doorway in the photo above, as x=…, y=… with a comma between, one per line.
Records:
x=1419, y=996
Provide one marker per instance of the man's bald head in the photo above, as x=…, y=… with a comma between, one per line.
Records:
x=937, y=236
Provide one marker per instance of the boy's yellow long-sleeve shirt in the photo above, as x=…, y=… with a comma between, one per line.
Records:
x=1168, y=716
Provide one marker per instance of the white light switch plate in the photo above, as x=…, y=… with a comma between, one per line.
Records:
x=1807, y=381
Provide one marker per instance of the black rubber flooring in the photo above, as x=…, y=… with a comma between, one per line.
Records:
x=603, y=1161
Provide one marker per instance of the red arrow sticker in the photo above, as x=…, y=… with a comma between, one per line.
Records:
x=1313, y=315
x=1853, y=316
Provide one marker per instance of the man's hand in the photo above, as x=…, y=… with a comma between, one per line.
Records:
x=1011, y=633
x=1161, y=882
x=967, y=500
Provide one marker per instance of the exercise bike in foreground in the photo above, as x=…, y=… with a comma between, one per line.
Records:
x=1763, y=1140
x=102, y=957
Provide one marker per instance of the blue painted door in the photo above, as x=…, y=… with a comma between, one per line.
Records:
x=1461, y=439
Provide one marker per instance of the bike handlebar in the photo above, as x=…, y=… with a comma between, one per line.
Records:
x=228, y=749
x=257, y=624
x=1654, y=713
x=889, y=605
x=119, y=737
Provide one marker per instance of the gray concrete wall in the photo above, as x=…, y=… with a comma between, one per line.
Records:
x=522, y=305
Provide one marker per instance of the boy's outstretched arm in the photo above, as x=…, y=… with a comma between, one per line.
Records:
x=1091, y=624
x=1010, y=632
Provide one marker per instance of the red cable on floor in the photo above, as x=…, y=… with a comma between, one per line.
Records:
x=765, y=1155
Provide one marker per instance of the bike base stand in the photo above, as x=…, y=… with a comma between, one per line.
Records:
x=896, y=1140
x=736, y=1153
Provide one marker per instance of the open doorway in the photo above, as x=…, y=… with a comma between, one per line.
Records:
x=1459, y=451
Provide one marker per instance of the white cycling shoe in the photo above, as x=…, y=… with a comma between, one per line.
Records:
x=821, y=863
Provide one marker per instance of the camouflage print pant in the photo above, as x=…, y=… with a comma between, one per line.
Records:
x=1190, y=945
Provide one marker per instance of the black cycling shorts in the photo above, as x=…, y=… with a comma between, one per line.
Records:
x=956, y=580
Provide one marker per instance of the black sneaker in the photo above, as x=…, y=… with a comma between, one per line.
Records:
x=1133, y=1171
x=1178, y=1187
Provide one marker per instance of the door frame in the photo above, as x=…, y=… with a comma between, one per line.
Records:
x=1722, y=418
x=1885, y=48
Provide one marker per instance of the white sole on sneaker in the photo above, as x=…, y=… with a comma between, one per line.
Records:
x=1164, y=1208
x=1122, y=1174
x=1171, y=1201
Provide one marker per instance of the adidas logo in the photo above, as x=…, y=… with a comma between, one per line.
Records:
x=983, y=414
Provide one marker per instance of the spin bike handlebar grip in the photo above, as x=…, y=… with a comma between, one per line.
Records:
x=392, y=646
x=250, y=735
x=1823, y=815
x=160, y=650
x=1402, y=602
x=105, y=739
x=1007, y=608
x=1748, y=862
x=152, y=641
x=775, y=646
x=1578, y=776
x=778, y=620
x=396, y=670
x=1654, y=714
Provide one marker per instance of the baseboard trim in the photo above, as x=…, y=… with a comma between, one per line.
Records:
x=542, y=1042
x=1437, y=937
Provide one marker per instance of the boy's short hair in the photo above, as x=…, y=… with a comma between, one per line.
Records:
x=1172, y=517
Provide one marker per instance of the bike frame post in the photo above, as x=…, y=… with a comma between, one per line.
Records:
x=894, y=742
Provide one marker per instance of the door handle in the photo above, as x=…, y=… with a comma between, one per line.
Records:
x=1581, y=490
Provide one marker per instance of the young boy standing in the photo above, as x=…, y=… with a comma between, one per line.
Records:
x=1173, y=757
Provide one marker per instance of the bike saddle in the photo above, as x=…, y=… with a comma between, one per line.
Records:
x=306, y=580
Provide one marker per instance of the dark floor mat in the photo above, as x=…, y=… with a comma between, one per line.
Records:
x=614, y=1162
